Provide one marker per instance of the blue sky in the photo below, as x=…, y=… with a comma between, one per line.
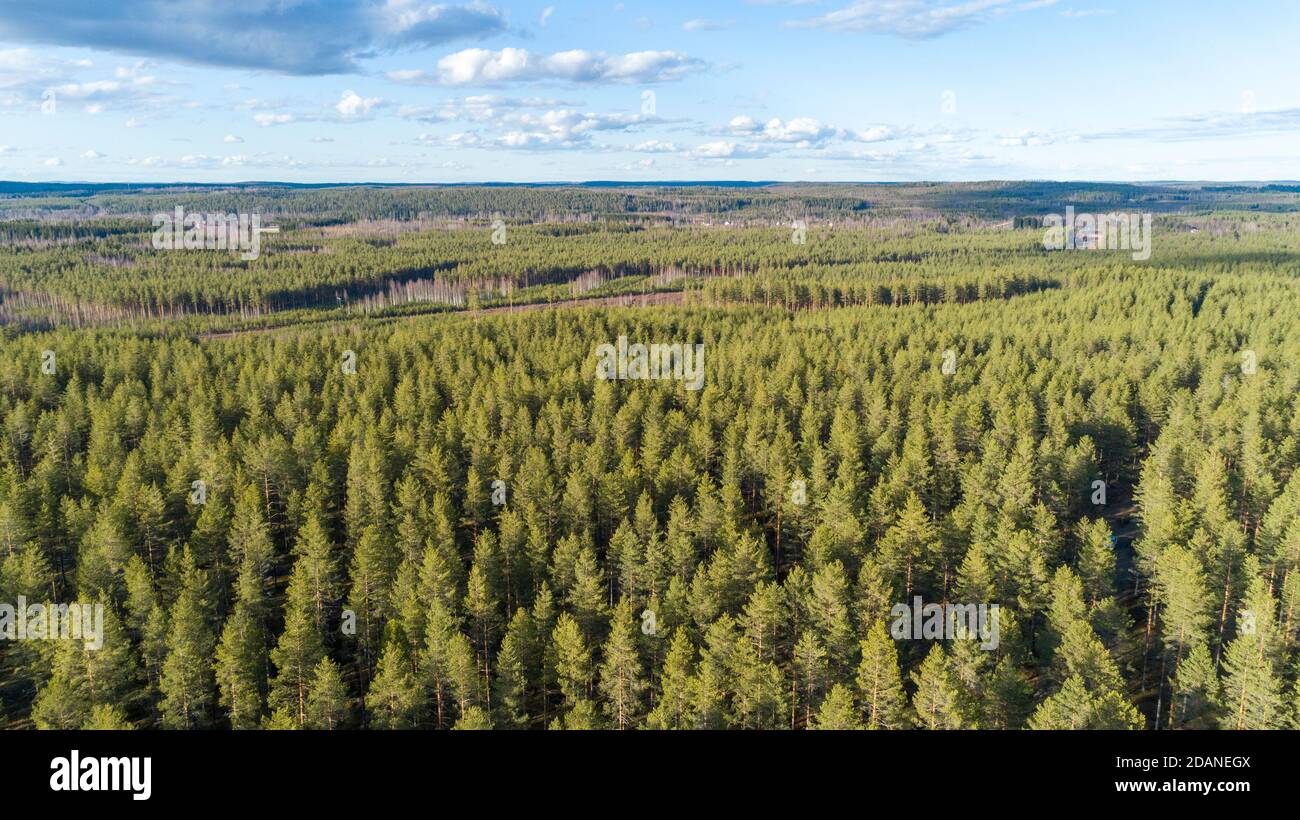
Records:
x=416, y=91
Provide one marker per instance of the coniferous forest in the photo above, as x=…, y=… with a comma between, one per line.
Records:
x=375, y=478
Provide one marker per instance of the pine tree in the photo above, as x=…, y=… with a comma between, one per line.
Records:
x=435, y=660
x=1184, y=598
x=711, y=685
x=764, y=620
x=463, y=675
x=314, y=570
x=811, y=673
x=240, y=669
x=482, y=602
x=111, y=671
x=475, y=718
x=1091, y=695
x=187, y=679
x=828, y=608
x=251, y=547
x=141, y=598
x=63, y=702
x=880, y=684
x=371, y=575
x=107, y=718
x=674, y=709
x=581, y=717
x=970, y=664
x=513, y=671
x=300, y=646
x=621, y=682
x=1252, y=689
x=1096, y=563
x=1007, y=698
x=759, y=700
x=327, y=700
x=394, y=697
x=838, y=711
x=936, y=700
x=874, y=596
x=1195, y=698
x=1074, y=707
x=588, y=596
x=572, y=664
x=909, y=547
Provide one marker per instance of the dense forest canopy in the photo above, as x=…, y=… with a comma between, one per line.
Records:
x=304, y=505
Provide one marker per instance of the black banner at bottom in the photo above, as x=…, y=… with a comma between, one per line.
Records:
x=142, y=771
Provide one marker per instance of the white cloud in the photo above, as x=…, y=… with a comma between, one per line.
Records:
x=562, y=127
x=743, y=124
x=1028, y=139
x=523, y=123
x=19, y=60
x=707, y=25
x=639, y=165
x=725, y=150
x=265, y=120
x=546, y=15
x=124, y=72
x=302, y=37
x=477, y=108
x=79, y=91
x=53, y=162
x=524, y=128
x=130, y=86
x=874, y=134
x=803, y=132
x=352, y=106
x=656, y=147
x=31, y=82
x=231, y=138
x=461, y=139
x=912, y=19
x=477, y=66
x=91, y=154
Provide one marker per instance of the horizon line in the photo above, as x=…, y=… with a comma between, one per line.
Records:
x=641, y=183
